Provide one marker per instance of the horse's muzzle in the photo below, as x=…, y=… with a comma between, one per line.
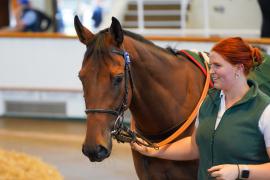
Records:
x=96, y=154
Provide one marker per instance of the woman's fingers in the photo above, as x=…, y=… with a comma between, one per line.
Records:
x=224, y=171
x=143, y=149
x=215, y=168
x=138, y=147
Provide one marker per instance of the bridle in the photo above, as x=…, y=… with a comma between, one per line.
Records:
x=120, y=132
x=123, y=106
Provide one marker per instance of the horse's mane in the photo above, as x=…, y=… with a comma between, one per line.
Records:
x=143, y=40
x=97, y=48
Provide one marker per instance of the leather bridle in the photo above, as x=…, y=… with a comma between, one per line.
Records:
x=120, y=132
x=123, y=106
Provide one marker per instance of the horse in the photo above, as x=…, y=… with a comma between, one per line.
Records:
x=122, y=70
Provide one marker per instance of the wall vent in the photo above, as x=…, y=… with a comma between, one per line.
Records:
x=34, y=108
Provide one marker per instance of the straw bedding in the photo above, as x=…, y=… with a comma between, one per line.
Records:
x=20, y=166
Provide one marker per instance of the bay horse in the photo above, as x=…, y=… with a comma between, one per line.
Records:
x=122, y=70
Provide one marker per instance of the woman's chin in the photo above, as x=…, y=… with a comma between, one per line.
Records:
x=216, y=85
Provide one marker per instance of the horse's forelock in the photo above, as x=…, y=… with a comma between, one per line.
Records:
x=97, y=48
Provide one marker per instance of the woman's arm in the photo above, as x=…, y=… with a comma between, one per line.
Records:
x=183, y=149
x=261, y=171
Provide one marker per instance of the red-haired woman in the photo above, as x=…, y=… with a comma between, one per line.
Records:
x=232, y=134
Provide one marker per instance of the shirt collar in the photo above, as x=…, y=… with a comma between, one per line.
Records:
x=221, y=94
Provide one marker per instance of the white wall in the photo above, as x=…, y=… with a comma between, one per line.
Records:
x=116, y=9
x=40, y=63
x=51, y=63
x=227, y=14
x=44, y=63
x=54, y=63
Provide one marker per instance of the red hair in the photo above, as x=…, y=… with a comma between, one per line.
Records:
x=236, y=51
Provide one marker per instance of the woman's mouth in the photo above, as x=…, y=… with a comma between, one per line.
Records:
x=214, y=78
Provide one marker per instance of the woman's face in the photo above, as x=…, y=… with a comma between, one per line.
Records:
x=222, y=72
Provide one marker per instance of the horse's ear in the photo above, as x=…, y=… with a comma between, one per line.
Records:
x=116, y=31
x=83, y=33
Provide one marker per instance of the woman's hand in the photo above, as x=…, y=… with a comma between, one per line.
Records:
x=148, y=151
x=224, y=172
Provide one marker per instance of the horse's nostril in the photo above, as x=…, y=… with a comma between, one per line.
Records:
x=84, y=151
x=97, y=154
x=102, y=151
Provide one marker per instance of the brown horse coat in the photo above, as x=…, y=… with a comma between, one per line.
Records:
x=162, y=94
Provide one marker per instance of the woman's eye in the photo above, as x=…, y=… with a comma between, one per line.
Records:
x=214, y=66
x=117, y=80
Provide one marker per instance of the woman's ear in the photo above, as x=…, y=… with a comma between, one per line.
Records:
x=240, y=67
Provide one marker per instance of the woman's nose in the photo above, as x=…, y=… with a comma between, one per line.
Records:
x=211, y=70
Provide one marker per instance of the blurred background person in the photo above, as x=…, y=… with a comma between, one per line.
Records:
x=59, y=21
x=29, y=19
x=97, y=14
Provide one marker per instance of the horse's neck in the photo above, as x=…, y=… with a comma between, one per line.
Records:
x=164, y=91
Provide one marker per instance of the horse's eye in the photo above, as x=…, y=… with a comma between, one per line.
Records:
x=117, y=80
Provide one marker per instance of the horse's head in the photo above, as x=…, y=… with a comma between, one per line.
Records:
x=105, y=88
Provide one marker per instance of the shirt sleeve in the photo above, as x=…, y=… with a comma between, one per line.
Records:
x=264, y=125
x=197, y=121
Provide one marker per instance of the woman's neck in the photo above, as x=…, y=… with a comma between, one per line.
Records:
x=236, y=92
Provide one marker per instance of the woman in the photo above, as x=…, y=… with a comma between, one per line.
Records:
x=232, y=134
